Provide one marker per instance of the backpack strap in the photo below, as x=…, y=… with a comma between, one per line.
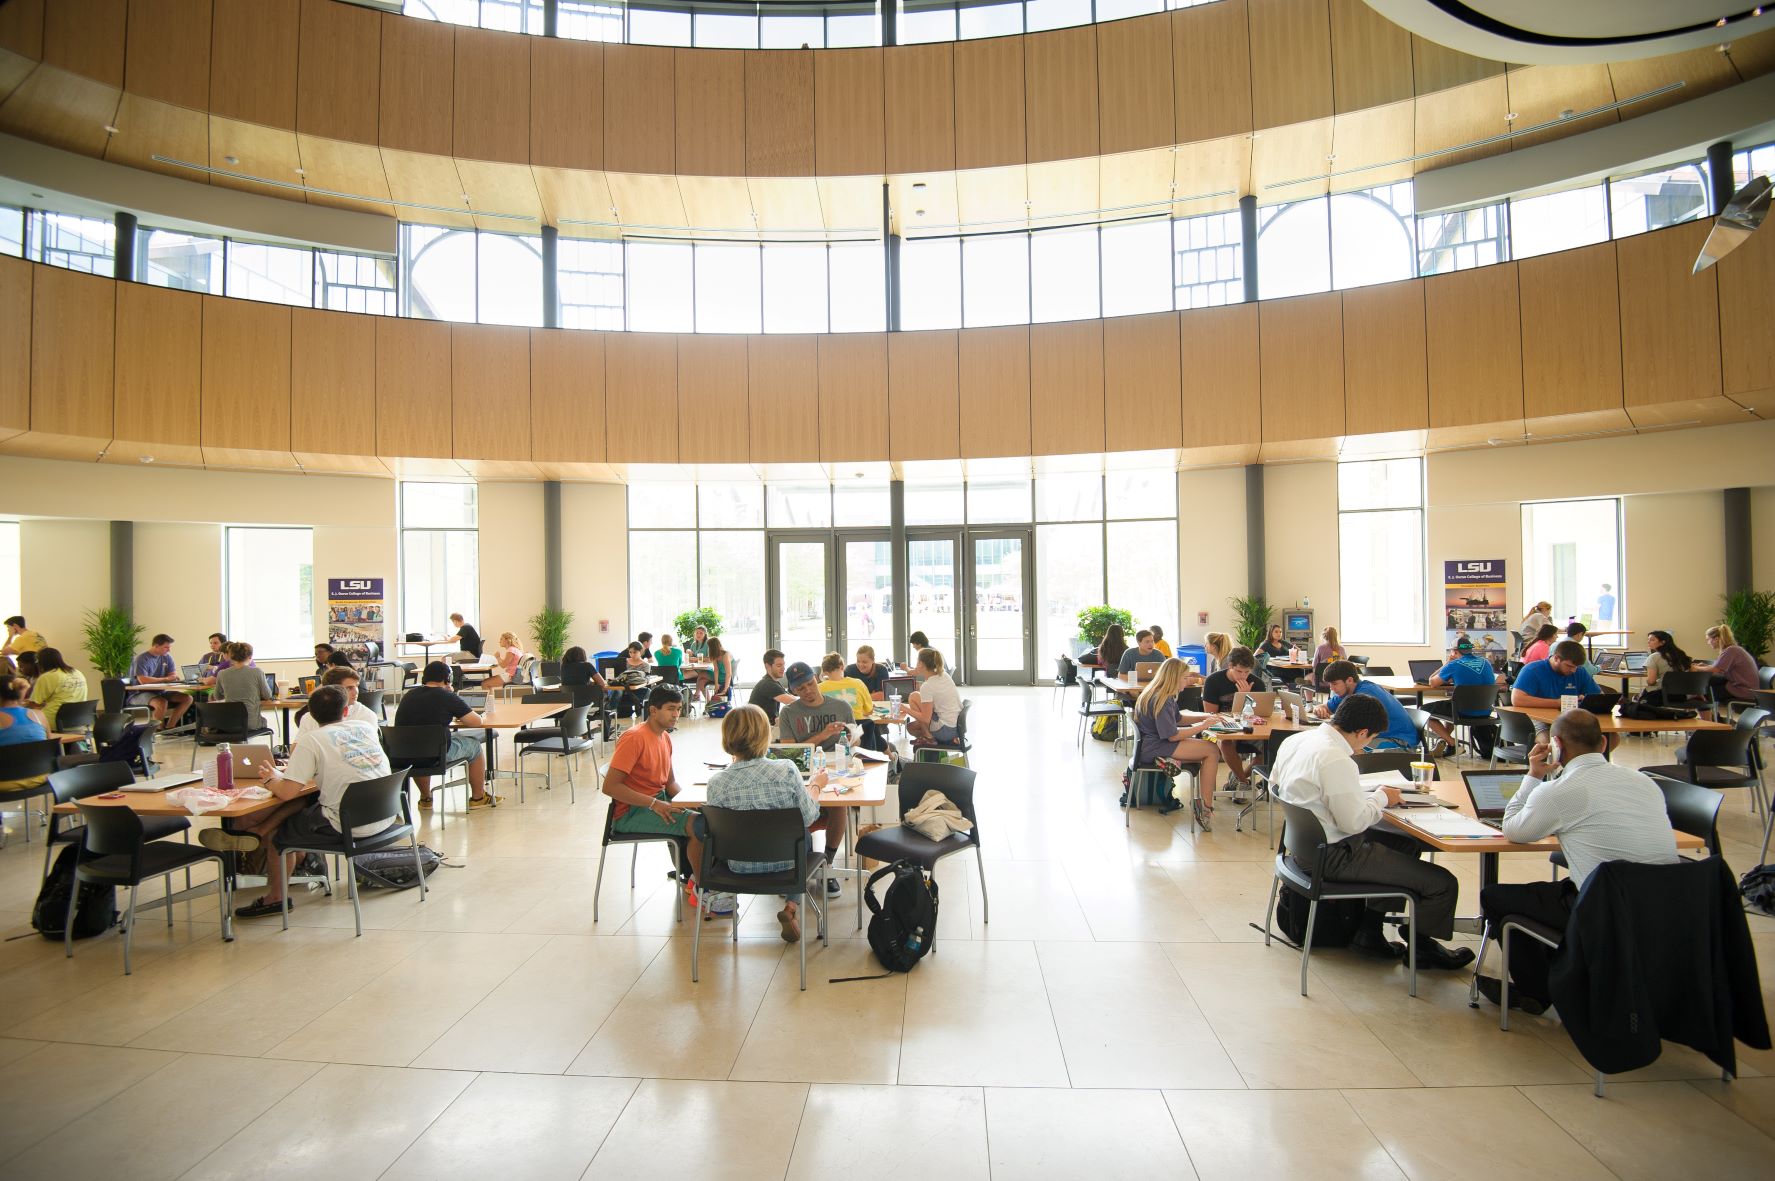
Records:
x=893, y=867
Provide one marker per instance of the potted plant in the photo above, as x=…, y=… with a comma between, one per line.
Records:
x=1751, y=616
x=706, y=618
x=549, y=627
x=1094, y=622
x=112, y=636
x=1253, y=613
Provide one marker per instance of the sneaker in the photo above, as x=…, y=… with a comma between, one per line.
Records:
x=1491, y=988
x=223, y=841
x=834, y=887
x=487, y=801
x=719, y=903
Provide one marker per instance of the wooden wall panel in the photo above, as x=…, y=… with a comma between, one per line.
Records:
x=641, y=397
x=1473, y=334
x=86, y=37
x=784, y=399
x=639, y=108
x=995, y=391
x=332, y=383
x=73, y=325
x=1222, y=403
x=923, y=375
x=713, y=417
x=1060, y=82
x=1386, y=383
x=920, y=96
x=1436, y=67
x=1571, y=332
x=1066, y=388
x=1141, y=381
x=849, y=119
x=1301, y=374
x=1290, y=61
x=1370, y=57
x=711, y=103
x=418, y=86
x=246, y=375
x=566, y=396
x=15, y=359
x=1670, y=320
x=413, y=397
x=168, y=52
x=1747, y=308
x=253, y=46
x=490, y=392
x=566, y=103
x=1211, y=70
x=492, y=117
x=780, y=112
x=1134, y=84
x=21, y=28
x=338, y=82
x=158, y=380
x=853, y=397
x=989, y=103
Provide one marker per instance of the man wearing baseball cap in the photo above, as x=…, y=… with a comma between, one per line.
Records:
x=812, y=716
x=1466, y=668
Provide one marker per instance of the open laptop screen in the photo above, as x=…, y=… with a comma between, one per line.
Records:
x=1423, y=670
x=1490, y=791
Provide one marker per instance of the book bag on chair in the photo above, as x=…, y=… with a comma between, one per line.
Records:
x=903, y=924
x=95, y=907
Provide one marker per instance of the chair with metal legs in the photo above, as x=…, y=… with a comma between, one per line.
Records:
x=635, y=840
x=902, y=843
x=365, y=802
x=116, y=854
x=769, y=834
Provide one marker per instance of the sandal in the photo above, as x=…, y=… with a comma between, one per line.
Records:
x=791, y=924
x=1203, y=817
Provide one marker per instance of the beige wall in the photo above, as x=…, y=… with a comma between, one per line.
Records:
x=64, y=571
x=595, y=563
x=1211, y=553
x=178, y=585
x=511, y=560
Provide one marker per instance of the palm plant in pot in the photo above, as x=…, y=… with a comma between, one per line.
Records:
x=549, y=627
x=1253, y=613
x=1751, y=616
x=110, y=636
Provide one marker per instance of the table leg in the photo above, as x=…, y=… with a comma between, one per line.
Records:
x=1488, y=870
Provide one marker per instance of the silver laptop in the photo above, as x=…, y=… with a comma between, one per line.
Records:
x=1490, y=791
x=1263, y=703
x=250, y=762
x=1636, y=661
x=1608, y=662
x=165, y=782
x=191, y=674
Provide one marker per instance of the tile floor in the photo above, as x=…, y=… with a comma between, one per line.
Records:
x=1118, y=1017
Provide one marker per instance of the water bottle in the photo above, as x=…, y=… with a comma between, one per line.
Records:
x=224, y=768
x=1249, y=714
x=894, y=703
x=915, y=940
x=818, y=760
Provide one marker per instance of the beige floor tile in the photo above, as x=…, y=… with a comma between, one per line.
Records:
x=1070, y=1134
x=1126, y=1020
x=166, y=1123
x=978, y=1015
x=1031, y=900
x=540, y=1017
x=518, y=1127
x=1458, y=1133
x=48, y=978
x=1648, y=1131
x=1140, y=902
x=345, y=1121
x=1751, y=1099
x=943, y=1127
x=668, y=1027
x=832, y=1033
x=43, y=1090
x=1302, y=1135
x=393, y=1018
x=11, y=1048
x=717, y=1130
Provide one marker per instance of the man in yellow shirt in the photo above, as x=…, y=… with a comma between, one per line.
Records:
x=834, y=683
x=19, y=638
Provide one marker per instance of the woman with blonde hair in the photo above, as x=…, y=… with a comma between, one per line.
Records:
x=1332, y=649
x=1532, y=623
x=1166, y=742
x=506, y=658
x=1218, y=645
x=1734, y=669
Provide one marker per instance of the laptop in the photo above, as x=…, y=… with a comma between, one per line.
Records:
x=250, y=762
x=1608, y=662
x=271, y=684
x=1490, y=791
x=1288, y=702
x=191, y=674
x=1423, y=670
x=1145, y=671
x=166, y=782
x=799, y=753
x=1600, y=703
x=1263, y=703
x=1635, y=662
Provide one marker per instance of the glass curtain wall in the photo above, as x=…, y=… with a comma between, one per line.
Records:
x=1571, y=552
x=270, y=590
x=692, y=547
x=1381, y=569
x=440, y=556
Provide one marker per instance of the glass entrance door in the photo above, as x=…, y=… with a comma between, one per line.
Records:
x=933, y=584
x=998, y=620
x=801, y=619
x=866, y=583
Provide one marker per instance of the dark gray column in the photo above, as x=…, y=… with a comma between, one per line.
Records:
x=1719, y=176
x=891, y=254
x=1248, y=244
x=551, y=544
x=123, y=564
x=1254, y=557
x=124, y=248
x=551, y=274
x=1738, y=555
x=890, y=22
x=897, y=563
x=551, y=17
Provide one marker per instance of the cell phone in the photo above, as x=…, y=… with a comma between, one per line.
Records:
x=111, y=795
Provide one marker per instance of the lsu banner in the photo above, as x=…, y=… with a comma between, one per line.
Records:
x=1474, y=608
x=354, y=616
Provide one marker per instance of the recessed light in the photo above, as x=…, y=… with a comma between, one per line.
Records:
x=1720, y=23
x=1567, y=113
x=1331, y=159
x=38, y=196
x=147, y=459
x=918, y=186
x=1510, y=116
x=231, y=159
x=918, y=213
x=110, y=129
x=465, y=198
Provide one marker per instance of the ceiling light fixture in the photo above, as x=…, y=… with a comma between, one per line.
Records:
x=110, y=129
x=147, y=458
x=918, y=186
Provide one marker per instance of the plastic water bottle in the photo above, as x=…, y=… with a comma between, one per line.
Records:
x=915, y=940
x=818, y=760
x=894, y=703
x=1249, y=714
x=224, y=768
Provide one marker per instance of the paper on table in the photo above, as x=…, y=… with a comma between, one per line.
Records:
x=1441, y=823
x=869, y=756
x=1393, y=778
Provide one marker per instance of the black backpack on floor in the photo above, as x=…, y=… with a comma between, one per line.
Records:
x=393, y=869
x=1335, y=925
x=95, y=910
x=904, y=922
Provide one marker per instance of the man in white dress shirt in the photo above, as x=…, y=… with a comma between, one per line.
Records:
x=1600, y=812
x=1317, y=771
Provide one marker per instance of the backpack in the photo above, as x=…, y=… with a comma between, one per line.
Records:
x=95, y=908
x=717, y=709
x=1758, y=888
x=1650, y=712
x=903, y=924
x=1106, y=728
x=1334, y=926
x=1068, y=673
x=393, y=869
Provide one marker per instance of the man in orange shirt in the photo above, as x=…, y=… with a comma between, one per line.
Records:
x=640, y=781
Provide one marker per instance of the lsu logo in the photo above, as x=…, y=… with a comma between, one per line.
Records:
x=1474, y=567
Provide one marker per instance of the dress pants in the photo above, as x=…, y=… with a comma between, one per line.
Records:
x=1544, y=902
x=1392, y=858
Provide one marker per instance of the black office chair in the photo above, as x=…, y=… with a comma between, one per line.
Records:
x=1470, y=706
x=223, y=721
x=116, y=853
x=961, y=743
x=770, y=834
x=1376, y=670
x=1692, y=809
x=1722, y=758
x=113, y=692
x=904, y=843
x=1516, y=737
x=90, y=779
x=76, y=717
x=365, y=802
x=1091, y=709
x=27, y=761
x=570, y=738
x=373, y=700
x=548, y=674
x=1066, y=674
x=1420, y=721
x=1691, y=690
x=425, y=750
x=1300, y=860
x=1376, y=761
x=635, y=839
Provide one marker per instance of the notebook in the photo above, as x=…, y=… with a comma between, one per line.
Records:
x=164, y=782
x=1423, y=670
x=1490, y=791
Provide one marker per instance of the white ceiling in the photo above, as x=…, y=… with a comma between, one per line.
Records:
x=1606, y=30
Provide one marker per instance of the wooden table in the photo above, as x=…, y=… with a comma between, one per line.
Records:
x=1590, y=639
x=286, y=706
x=510, y=717
x=1614, y=723
x=1489, y=848
x=1402, y=684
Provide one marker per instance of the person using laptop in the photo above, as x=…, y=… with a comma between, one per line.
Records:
x=1317, y=771
x=241, y=682
x=156, y=666
x=323, y=655
x=1237, y=674
x=1145, y=651
x=1734, y=669
x=435, y=703
x=346, y=681
x=1169, y=741
x=1345, y=680
x=1542, y=683
x=216, y=657
x=813, y=717
x=1600, y=811
x=1464, y=668
x=1663, y=655
x=468, y=640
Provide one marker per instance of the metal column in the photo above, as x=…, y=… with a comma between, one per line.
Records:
x=1738, y=539
x=124, y=247
x=1719, y=176
x=1254, y=556
x=1248, y=244
x=551, y=277
x=123, y=565
x=551, y=544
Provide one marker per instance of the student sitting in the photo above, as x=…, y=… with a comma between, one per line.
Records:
x=1111, y=650
x=630, y=685
x=1542, y=644
x=1218, y=646
x=217, y=656
x=1345, y=680
x=1274, y=647
x=18, y=721
x=1464, y=668
x=935, y=706
x=874, y=676
x=696, y=650
x=1576, y=632
x=346, y=681
x=467, y=640
x=323, y=656
x=20, y=639
x=1734, y=669
x=1663, y=656
x=240, y=681
x=641, y=782
x=721, y=677
x=56, y=685
x=1145, y=651
x=1164, y=736
x=577, y=669
x=1537, y=618
x=1561, y=673
x=157, y=667
x=771, y=692
x=1317, y=771
x=1332, y=649
x=1238, y=675
x=1159, y=643
x=434, y=703
x=835, y=683
x=1600, y=812
x=508, y=654
x=812, y=717
x=669, y=654
x=919, y=642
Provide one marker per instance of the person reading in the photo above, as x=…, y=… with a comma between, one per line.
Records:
x=812, y=717
x=642, y=784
